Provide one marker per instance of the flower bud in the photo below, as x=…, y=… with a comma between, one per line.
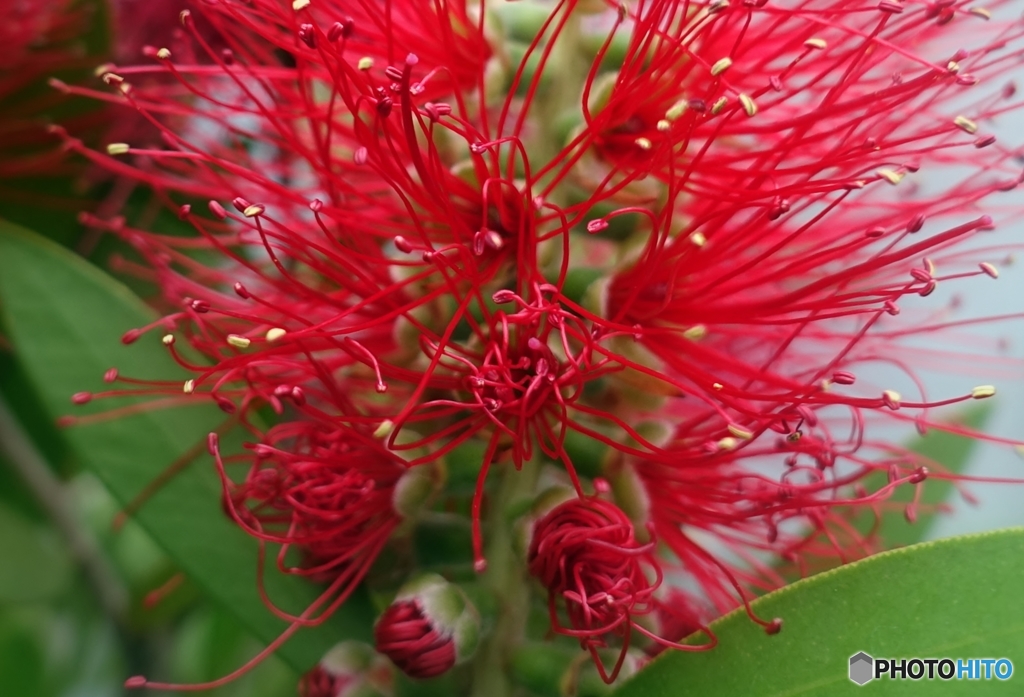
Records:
x=413, y=490
x=350, y=668
x=430, y=627
x=585, y=553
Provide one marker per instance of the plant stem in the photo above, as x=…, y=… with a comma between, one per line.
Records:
x=505, y=579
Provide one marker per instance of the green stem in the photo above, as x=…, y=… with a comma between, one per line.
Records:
x=505, y=579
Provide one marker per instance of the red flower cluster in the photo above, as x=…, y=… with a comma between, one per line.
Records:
x=680, y=232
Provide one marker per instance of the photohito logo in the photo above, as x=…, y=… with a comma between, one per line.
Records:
x=864, y=668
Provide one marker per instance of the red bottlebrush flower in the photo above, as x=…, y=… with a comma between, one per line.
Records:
x=686, y=249
x=328, y=493
x=585, y=553
x=429, y=628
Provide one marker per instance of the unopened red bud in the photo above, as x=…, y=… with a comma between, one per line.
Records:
x=81, y=397
x=430, y=627
x=131, y=336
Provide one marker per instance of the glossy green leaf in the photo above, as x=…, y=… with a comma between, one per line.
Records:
x=66, y=318
x=956, y=598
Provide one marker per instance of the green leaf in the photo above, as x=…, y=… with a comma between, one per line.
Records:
x=956, y=598
x=949, y=450
x=66, y=318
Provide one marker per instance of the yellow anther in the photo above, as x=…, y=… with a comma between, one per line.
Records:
x=720, y=66
x=238, y=341
x=275, y=333
x=168, y=339
x=697, y=331
x=365, y=63
x=118, y=148
x=676, y=110
x=891, y=176
x=965, y=124
x=749, y=106
x=698, y=239
x=983, y=392
x=740, y=432
x=815, y=42
x=189, y=387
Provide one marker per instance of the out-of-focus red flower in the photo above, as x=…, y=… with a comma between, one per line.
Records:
x=36, y=41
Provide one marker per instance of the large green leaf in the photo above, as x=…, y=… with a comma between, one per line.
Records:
x=66, y=318
x=956, y=598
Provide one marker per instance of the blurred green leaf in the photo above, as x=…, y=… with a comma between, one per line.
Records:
x=211, y=643
x=66, y=318
x=33, y=563
x=957, y=597
x=949, y=450
x=948, y=454
x=21, y=659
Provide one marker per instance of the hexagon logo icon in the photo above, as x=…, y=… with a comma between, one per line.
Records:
x=861, y=668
